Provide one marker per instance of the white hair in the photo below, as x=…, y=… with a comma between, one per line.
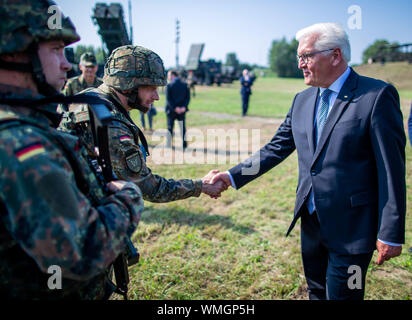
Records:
x=328, y=36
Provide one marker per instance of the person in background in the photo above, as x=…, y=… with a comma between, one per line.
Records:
x=150, y=114
x=87, y=79
x=246, y=83
x=177, y=104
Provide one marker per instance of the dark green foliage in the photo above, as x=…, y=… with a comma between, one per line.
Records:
x=282, y=58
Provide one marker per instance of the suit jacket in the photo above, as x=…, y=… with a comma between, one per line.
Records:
x=357, y=171
x=177, y=95
x=246, y=85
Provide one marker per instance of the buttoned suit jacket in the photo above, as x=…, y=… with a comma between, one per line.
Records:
x=177, y=95
x=246, y=86
x=357, y=170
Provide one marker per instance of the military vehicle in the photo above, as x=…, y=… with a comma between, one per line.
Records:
x=205, y=72
x=112, y=28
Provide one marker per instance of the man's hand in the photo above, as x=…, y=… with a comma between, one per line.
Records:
x=221, y=176
x=386, y=251
x=213, y=190
x=180, y=110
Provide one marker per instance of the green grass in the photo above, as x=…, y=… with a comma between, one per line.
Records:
x=235, y=247
x=193, y=119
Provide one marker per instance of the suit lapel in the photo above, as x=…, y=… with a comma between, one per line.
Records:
x=344, y=98
x=310, y=107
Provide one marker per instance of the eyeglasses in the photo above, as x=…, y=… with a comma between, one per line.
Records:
x=305, y=57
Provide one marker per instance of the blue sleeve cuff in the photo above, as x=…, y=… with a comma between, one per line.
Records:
x=231, y=180
x=390, y=243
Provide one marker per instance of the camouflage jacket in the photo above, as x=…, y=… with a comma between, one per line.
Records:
x=77, y=84
x=51, y=217
x=126, y=155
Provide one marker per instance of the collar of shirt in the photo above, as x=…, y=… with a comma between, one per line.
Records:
x=335, y=87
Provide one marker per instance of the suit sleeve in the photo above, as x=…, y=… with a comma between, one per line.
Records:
x=279, y=148
x=388, y=142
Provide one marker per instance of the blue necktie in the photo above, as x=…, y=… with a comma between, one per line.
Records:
x=322, y=113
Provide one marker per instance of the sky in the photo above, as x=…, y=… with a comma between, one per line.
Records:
x=245, y=27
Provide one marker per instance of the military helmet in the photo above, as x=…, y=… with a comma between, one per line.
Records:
x=129, y=67
x=23, y=22
x=88, y=59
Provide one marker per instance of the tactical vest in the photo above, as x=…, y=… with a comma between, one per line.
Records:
x=79, y=123
x=20, y=277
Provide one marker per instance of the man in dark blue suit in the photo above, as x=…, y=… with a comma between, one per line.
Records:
x=177, y=104
x=246, y=83
x=350, y=140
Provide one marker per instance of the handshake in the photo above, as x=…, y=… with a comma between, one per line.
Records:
x=215, y=182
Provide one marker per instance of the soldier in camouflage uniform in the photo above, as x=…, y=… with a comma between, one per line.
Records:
x=87, y=79
x=53, y=211
x=131, y=77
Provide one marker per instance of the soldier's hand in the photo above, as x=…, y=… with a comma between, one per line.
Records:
x=116, y=186
x=209, y=176
x=213, y=190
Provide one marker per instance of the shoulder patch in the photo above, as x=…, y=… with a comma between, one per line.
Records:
x=29, y=151
x=134, y=162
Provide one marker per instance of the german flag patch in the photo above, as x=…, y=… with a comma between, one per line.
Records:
x=29, y=151
x=125, y=138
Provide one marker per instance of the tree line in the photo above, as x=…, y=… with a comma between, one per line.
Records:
x=282, y=56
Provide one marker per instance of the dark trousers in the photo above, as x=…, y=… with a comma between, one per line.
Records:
x=171, y=117
x=245, y=103
x=330, y=275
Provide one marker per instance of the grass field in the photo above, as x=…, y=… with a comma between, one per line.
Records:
x=235, y=247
